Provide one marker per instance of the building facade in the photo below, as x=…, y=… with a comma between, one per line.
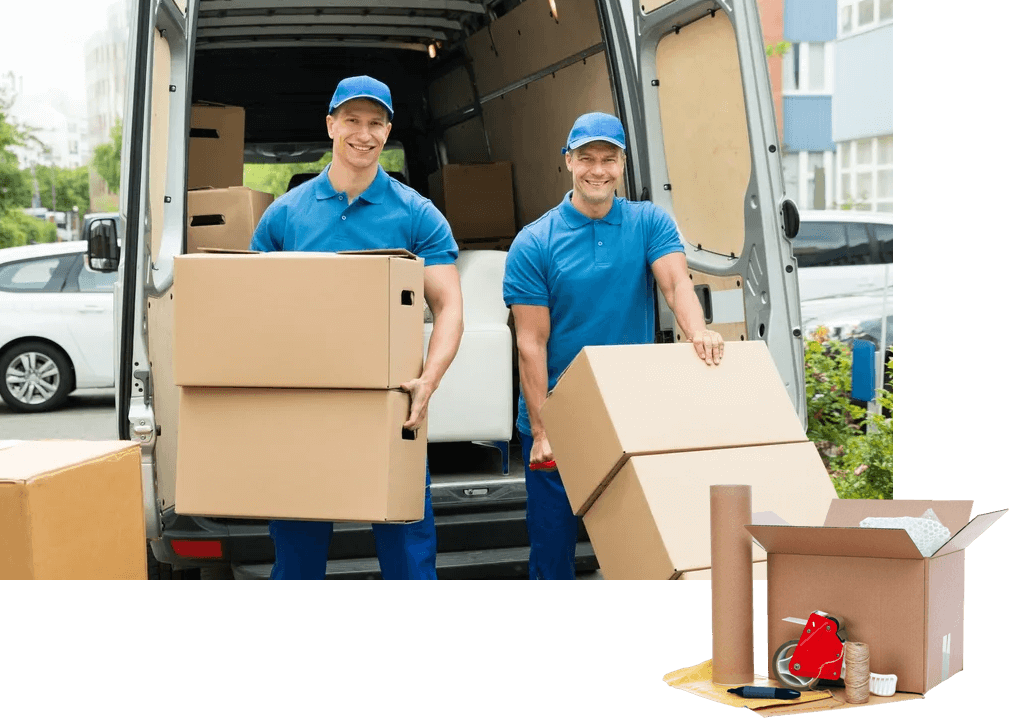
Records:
x=54, y=120
x=862, y=116
x=105, y=83
x=834, y=94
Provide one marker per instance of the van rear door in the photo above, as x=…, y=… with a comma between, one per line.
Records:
x=152, y=207
x=703, y=146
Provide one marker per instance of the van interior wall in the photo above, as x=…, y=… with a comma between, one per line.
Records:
x=527, y=125
x=286, y=90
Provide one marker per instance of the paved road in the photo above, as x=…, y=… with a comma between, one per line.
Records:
x=87, y=414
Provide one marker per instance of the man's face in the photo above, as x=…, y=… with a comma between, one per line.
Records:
x=595, y=168
x=359, y=130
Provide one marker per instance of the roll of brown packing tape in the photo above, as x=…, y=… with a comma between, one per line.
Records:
x=731, y=585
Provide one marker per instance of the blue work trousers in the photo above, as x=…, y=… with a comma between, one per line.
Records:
x=552, y=527
x=405, y=551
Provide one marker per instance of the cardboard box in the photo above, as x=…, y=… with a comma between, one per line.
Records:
x=223, y=218
x=71, y=509
x=653, y=521
x=333, y=455
x=613, y=402
x=352, y=320
x=704, y=574
x=216, y=145
x=906, y=607
x=476, y=199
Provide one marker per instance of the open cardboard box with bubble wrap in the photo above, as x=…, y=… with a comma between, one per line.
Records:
x=908, y=607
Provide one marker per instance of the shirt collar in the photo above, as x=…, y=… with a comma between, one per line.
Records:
x=373, y=195
x=575, y=219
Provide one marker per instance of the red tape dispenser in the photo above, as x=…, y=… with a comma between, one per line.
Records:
x=544, y=466
x=817, y=656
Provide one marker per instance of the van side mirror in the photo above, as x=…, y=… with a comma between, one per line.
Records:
x=103, y=246
x=790, y=218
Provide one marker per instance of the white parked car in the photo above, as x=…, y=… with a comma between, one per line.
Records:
x=55, y=325
x=845, y=262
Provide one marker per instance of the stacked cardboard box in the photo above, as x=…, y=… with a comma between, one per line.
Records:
x=641, y=432
x=478, y=201
x=908, y=608
x=71, y=509
x=290, y=366
x=222, y=214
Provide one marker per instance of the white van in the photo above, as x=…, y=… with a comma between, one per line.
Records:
x=845, y=264
x=471, y=81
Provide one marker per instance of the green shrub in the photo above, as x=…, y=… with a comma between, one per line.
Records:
x=856, y=449
x=18, y=229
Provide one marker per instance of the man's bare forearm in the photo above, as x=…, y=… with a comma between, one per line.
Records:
x=533, y=376
x=446, y=334
x=687, y=309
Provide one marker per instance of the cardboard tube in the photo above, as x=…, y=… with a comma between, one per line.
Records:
x=731, y=586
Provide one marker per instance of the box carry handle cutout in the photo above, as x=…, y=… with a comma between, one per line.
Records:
x=409, y=434
x=206, y=220
x=208, y=133
x=407, y=298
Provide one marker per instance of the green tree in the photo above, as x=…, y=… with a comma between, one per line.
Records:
x=106, y=158
x=16, y=228
x=12, y=182
x=72, y=187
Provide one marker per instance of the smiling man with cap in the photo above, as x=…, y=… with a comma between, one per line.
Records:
x=353, y=204
x=576, y=277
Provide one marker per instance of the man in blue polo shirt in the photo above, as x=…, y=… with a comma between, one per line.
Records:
x=576, y=277
x=353, y=204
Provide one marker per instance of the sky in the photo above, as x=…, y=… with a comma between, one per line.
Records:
x=43, y=42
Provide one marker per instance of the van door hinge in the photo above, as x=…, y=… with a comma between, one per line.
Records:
x=144, y=377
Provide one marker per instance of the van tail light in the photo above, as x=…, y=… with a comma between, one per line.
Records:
x=197, y=549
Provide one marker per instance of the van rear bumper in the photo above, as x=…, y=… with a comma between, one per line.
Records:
x=480, y=527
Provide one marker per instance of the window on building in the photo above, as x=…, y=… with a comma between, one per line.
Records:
x=865, y=174
x=805, y=67
x=817, y=80
x=855, y=15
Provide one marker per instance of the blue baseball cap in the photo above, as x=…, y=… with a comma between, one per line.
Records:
x=362, y=87
x=593, y=127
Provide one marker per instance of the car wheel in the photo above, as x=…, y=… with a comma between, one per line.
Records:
x=36, y=377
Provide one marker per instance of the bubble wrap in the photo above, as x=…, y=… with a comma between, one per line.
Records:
x=927, y=531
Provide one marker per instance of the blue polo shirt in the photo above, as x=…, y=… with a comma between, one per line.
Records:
x=593, y=274
x=314, y=217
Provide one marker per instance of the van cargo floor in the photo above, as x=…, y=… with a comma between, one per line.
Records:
x=496, y=563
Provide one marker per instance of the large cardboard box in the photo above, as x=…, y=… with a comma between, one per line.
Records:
x=71, y=509
x=352, y=320
x=319, y=454
x=476, y=199
x=216, y=145
x=614, y=402
x=653, y=521
x=908, y=608
x=223, y=218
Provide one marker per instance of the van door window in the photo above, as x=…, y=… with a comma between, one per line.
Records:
x=858, y=244
x=820, y=244
x=884, y=239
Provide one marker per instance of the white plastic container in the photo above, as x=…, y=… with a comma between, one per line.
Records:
x=882, y=685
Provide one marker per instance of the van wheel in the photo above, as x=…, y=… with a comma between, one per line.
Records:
x=157, y=571
x=36, y=377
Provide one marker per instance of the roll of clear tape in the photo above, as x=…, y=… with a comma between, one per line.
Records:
x=731, y=585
